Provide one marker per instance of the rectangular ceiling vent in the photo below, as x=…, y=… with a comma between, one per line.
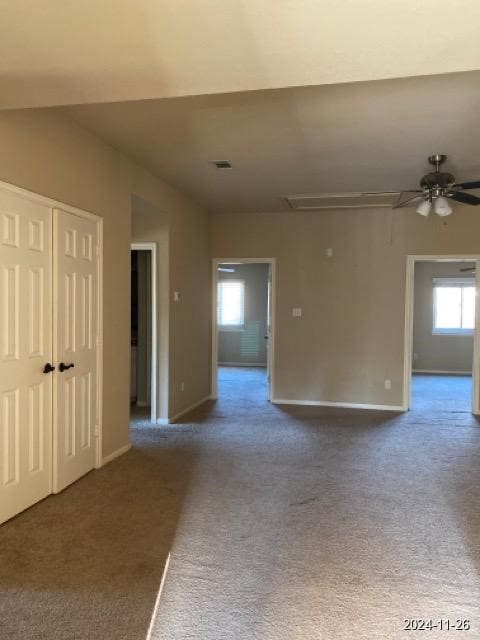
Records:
x=342, y=200
x=222, y=164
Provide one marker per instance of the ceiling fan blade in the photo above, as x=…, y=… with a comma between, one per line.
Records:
x=466, y=198
x=469, y=185
x=409, y=201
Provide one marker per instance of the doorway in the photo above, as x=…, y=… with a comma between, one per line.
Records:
x=441, y=334
x=143, y=331
x=243, y=324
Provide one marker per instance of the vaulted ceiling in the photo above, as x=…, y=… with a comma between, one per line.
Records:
x=56, y=52
x=302, y=96
x=364, y=136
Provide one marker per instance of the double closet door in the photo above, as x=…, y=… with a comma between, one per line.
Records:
x=48, y=350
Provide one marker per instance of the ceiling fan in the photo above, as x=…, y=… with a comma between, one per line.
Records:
x=436, y=187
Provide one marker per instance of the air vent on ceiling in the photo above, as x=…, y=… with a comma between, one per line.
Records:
x=221, y=164
x=357, y=200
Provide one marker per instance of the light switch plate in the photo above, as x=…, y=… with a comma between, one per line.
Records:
x=296, y=312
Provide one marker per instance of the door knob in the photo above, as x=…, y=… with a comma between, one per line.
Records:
x=63, y=367
x=48, y=368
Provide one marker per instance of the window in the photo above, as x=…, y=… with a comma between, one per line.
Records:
x=453, y=305
x=231, y=302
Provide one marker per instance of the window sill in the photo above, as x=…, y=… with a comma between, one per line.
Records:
x=452, y=332
x=231, y=328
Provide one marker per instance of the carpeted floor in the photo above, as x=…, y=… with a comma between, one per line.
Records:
x=434, y=393
x=283, y=524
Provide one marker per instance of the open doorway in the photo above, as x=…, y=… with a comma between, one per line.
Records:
x=243, y=327
x=143, y=400
x=441, y=334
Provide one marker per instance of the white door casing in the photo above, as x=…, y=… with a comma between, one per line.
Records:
x=268, y=330
x=75, y=317
x=26, y=346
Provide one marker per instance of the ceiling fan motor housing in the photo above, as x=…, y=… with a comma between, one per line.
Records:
x=437, y=180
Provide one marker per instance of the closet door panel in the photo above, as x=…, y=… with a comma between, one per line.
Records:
x=75, y=348
x=25, y=348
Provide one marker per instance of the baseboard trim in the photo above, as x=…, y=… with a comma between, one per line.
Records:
x=440, y=372
x=115, y=454
x=342, y=405
x=242, y=364
x=164, y=421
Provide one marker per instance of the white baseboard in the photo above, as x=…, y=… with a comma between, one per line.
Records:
x=242, y=364
x=439, y=372
x=343, y=405
x=116, y=454
x=165, y=422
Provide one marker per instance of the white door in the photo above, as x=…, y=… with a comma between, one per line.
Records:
x=75, y=346
x=26, y=347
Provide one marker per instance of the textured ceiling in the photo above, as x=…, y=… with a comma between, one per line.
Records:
x=58, y=52
x=336, y=138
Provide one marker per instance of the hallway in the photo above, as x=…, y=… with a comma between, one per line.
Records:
x=282, y=522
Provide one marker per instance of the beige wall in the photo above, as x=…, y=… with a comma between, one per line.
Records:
x=184, y=327
x=437, y=352
x=45, y=152
x=247, y=345
x=350, y=336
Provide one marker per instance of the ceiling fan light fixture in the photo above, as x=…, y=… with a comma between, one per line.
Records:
x=435, y=188
x=441, y=206
x=424, y=208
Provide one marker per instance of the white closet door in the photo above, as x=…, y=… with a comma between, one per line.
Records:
x=75, y=329
x=26, y=347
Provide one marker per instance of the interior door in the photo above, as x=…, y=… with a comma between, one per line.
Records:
x=26, y=347
x=75, y=318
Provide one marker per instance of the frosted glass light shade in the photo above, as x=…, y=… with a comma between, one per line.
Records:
x=441, y=206
x=424, y=208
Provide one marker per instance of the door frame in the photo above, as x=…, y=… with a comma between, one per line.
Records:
x=152, y=247
x=56, y=204
x=409, y=311
x=271, y=346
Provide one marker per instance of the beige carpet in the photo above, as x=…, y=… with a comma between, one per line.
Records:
x=283, y=524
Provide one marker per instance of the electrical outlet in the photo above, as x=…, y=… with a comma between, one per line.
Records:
x=297, y=312
x=329, y=252
x=415, y=356
x=388, y=384
x=182, y=386
x=176, y=296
